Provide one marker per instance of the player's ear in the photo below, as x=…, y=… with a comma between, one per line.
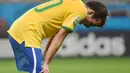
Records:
x=90, y=12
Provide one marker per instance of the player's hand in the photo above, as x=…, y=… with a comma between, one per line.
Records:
x=45, y=68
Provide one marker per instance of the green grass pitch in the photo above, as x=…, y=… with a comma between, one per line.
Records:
x=78, y=65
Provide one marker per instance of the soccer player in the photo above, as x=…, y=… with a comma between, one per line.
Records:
x=55, y=20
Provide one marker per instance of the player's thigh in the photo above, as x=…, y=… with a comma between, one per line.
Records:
x=27, y=59
x=34, y=56
x=15, y=47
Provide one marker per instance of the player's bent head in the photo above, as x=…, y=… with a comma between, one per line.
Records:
x=97, y=13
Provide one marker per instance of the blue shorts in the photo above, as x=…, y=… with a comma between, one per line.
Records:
x=27, y=59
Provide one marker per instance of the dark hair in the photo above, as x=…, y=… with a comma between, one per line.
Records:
x=101, y=11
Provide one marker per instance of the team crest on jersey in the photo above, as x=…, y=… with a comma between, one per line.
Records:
x=78, y=20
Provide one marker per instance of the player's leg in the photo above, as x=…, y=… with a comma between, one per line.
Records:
x=34, y=56
x=27, y=59
x=18, y=53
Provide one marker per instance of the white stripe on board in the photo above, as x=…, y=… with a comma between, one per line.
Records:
x=35, y=60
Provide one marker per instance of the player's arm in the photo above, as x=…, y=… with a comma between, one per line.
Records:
x=55, y=44
x=47, y=46
x=69, y=24
x=53, y=48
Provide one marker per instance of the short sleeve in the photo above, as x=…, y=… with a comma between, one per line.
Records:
x=71, y=21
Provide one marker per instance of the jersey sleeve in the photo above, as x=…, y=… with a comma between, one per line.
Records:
x=71, y=21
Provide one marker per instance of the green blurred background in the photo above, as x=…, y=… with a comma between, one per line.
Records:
x=111, y=60
x=77, y=65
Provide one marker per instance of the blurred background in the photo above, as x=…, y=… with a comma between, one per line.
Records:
x=92, y=50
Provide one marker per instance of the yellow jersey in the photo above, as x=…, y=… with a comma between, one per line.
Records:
x=46, y=19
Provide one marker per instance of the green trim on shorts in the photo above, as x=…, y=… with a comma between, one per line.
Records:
x=48, y=7
x=68, y=28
